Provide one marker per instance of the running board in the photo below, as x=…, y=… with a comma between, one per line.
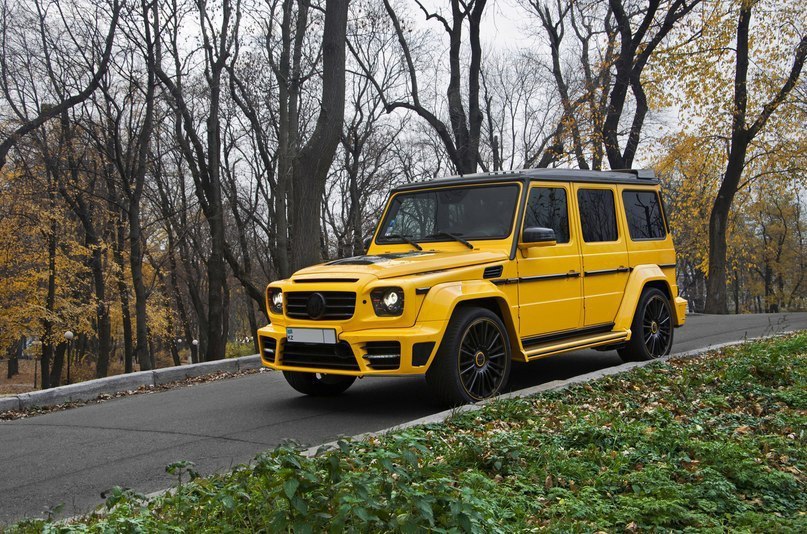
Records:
x=550, y=349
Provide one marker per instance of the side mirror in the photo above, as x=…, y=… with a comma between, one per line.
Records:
x=367, y=242
x=537, y=237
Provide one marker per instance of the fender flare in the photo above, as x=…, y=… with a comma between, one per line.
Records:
x=443, y=299
x=639, y=278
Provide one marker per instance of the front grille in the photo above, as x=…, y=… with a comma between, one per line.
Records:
x=339, y=305
x=383, y=355
x=269, y=349
x=338, y=356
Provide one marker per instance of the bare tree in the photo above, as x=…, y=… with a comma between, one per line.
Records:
x=30, y=120
x=636, y=47
x=201, y=145
x=461, y=137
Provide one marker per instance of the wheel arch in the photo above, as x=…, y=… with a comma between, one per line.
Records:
x=642, y=277
x=443, y=302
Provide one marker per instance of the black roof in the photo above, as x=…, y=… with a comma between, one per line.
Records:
x=626, y=176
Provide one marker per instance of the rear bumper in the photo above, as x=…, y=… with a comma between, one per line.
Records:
x=680, y=311
x=418, y=345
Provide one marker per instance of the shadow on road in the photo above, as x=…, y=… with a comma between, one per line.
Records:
x=410, y=397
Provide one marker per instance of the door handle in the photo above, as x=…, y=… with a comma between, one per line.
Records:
x=573, y=274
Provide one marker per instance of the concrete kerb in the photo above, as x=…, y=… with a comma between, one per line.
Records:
x=10, y=403
x=88, y=390
x=91, y=389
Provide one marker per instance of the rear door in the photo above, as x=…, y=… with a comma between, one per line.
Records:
x=604, y=252
x=550, y=290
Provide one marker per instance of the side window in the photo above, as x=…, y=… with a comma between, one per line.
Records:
x=643, y=212
x=546, y=208
x=597, y=215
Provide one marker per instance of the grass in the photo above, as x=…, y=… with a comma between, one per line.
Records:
x=708, y=444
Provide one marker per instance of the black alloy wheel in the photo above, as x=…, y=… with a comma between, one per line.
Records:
x=652, y=328
x=473, y=362
x=482, y=358
x=657, y=326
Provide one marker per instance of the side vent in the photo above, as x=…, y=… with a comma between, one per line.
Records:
x=383, y=355
x=269, y=349
x=421, y=353
x=494, y=271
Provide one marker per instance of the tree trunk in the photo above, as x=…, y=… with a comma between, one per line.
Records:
x=13, y=366
x=136, y=264
x=123, y=291
x=314, y=160
x=58, y=365
x=14, y=356
x=718, y=226
x=101, y=311
x=50, y=299
x=135, y=192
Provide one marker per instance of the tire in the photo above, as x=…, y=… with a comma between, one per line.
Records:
x=651, y=329
x=318, y=384
x=473, y=361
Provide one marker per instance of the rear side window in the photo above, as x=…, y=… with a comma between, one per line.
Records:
x=546, y=208
x=643, y=212
x=597, y=215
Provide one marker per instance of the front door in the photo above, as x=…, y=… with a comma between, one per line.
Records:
x=605, y=254
x=550, y=287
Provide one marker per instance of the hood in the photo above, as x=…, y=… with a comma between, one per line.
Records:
x=403, y=264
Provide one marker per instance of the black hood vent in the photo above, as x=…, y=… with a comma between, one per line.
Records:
x=494, y=271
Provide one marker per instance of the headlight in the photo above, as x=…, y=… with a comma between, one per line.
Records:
x=388, y=301
x=276, y=300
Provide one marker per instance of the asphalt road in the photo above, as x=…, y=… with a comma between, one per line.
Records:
x=71, y=457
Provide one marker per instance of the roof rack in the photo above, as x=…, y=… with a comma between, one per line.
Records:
x=642, y=174
x=492, y=174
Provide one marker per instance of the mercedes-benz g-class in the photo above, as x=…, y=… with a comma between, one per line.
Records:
x=464, y=275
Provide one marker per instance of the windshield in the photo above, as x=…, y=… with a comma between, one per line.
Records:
x=481, y=212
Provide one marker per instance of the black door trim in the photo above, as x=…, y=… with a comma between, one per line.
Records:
x=505, y=281
x=565, y=334
x=570, y=274
x=609, y=271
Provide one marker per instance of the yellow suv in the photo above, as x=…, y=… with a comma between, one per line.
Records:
x=466, y=274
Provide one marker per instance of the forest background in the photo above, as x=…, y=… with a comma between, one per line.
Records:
x=163, y=160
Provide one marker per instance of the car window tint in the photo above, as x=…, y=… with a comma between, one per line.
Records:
x=483, y=212
x=546, y=208
x=415, y=215
x=597, y=215
x=643, y=213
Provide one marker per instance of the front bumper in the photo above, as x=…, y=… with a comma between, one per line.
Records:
x=418, y=345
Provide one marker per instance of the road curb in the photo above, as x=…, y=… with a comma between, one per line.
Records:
x=91, y=389
x=10, y=403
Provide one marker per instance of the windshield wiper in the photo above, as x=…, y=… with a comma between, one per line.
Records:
x=455, y=237
x=404, y=239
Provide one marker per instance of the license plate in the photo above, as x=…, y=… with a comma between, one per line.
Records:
x=311, y=335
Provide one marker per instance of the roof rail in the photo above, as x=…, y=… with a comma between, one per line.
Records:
x=642, y=174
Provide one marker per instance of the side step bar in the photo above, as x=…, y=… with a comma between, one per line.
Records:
x=549, y=349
